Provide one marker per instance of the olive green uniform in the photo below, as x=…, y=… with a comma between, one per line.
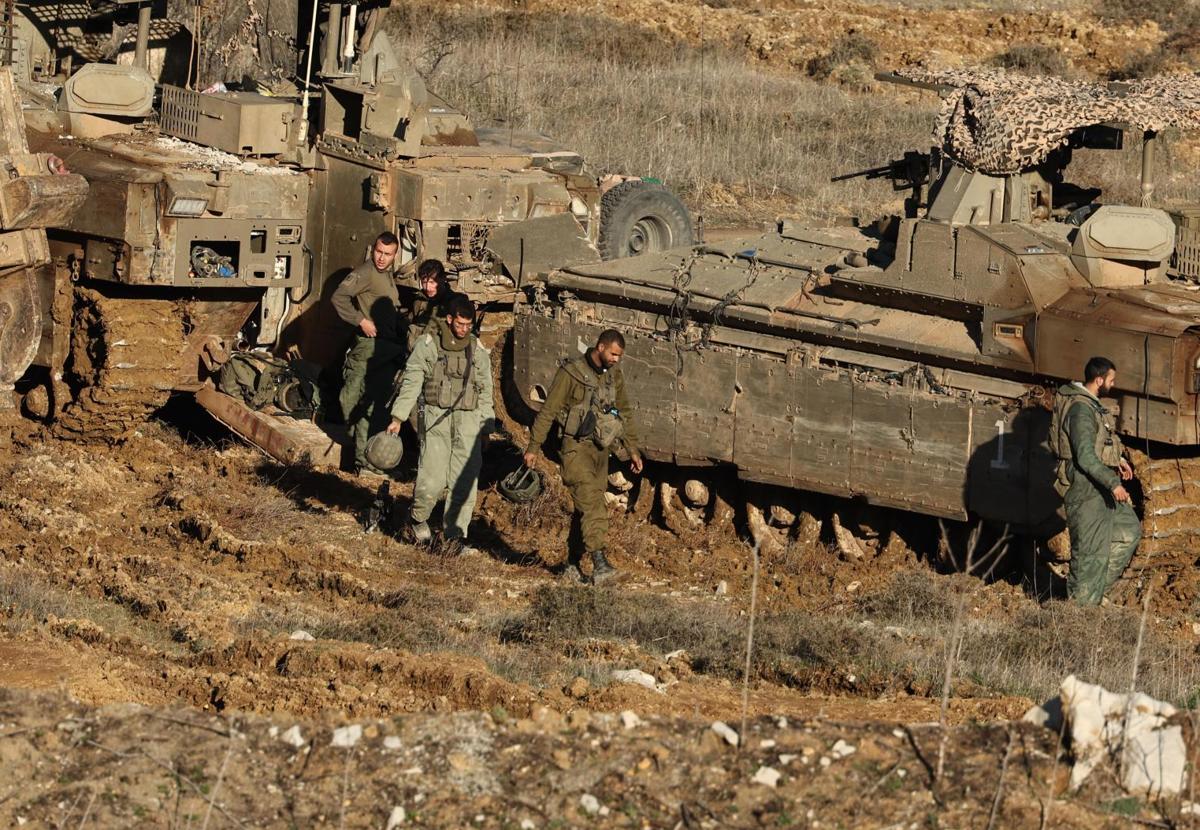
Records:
x=371, y=363
x=451, y=380
x=578, y=386
x=1104, y=532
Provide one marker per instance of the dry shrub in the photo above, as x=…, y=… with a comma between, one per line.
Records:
x=853, y=50
x=699, y=119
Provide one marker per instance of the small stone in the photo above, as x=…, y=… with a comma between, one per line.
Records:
x=1196, y=628
x=841, y=749
x=853, y=586
x=578, y=688
x=512, y=594
x=292, y=737
x=579, y=719
x=479, y=818
x=898, y=733
x=347, y=736
x=397, y=817
x=781, y=722
x=644, y=764
x=527, y=824
x=725, y=732
x=561, y=758
x=629, y=719
x=636, y=677
x=722, y=588
x=766, y=743
x=590, y=804
x=272, y=732
x=786, y=759
x=767, y=776
x=392, y=743
x=826, y=761
x=301, y=634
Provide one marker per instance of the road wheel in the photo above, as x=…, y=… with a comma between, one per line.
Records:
x=638, y=217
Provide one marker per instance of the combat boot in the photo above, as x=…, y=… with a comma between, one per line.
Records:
x=601, y=570
x=421, y=532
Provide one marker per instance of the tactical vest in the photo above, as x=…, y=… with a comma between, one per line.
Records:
x=596, y=416
x=451, y=384
x=1108, y=444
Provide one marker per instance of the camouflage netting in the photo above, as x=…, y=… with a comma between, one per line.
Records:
x=1001, y=123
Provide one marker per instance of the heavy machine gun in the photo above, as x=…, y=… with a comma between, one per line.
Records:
x=910, y=172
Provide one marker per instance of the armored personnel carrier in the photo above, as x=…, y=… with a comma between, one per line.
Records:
x=216, y=220
x=909, y=362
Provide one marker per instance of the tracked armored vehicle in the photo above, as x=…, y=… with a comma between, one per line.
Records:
x=909, y=362
x=220, y=220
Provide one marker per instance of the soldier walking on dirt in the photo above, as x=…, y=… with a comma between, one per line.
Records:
x=450, y=373
x=1104, y=528
x=433, y=292
x=366, y=299
x=587, y=400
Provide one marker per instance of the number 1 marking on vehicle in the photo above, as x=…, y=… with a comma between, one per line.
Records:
x=998, y=463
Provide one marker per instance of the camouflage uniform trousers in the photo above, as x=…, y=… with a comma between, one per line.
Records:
x=368, y=376
x=1104, y=536
x=585, y=472
x=450, y=459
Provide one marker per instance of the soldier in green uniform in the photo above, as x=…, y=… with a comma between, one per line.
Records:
x=449, y=374
x=366, y=299
x=1104, y=528
x=430, y=304
x=587, y=400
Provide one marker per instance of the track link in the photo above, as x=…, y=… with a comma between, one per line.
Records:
x=125, y=358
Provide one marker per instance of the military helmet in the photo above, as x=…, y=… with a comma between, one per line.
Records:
x=291, y=397
x=384, y=450
x=521, y=485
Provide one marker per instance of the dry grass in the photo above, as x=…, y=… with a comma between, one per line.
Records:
x=736, y=142
x=896, y=639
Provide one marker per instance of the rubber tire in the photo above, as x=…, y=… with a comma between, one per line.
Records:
x=636, y=212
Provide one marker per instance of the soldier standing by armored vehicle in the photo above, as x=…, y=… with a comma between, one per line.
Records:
x=587, y=400
x=450, y=372
x=433, y=293
x=1104, y=529
x=367, y=299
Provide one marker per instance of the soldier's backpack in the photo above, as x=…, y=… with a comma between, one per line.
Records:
x=261, y=380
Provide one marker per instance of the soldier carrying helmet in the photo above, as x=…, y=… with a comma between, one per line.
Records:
x=587, y=400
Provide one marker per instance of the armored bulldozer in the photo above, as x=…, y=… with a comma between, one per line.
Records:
x=909, y=362
x=217, y=219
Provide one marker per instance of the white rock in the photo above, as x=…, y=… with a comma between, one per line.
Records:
x=301, y=634
x=590, y=804
x=826, y=761
x=786, y=759
x=273, y=731
x=636, y=677
x=781, y=722
x=853, y=586
x=347, y=736
x=1104, y=724
x=630, y=720
x=396, y=818
x=766, y=743
x=841, y=749
x=898, y=733
x=293, y=737
x=392, y=742
x=604, y=810
x=527, y=824
x=722, y=588
x=767, y=776
x=725, y=732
